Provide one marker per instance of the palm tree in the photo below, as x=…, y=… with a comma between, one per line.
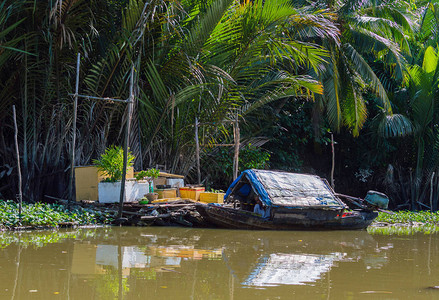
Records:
x=230, y=62
x=370, y=31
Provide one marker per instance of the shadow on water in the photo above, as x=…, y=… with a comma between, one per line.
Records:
x=130, y=262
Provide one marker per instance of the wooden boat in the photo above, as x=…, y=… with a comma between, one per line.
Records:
x=292, y=202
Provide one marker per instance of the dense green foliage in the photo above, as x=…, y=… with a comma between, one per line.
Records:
x=47, y=215
x=290, y=72
x=250, y=157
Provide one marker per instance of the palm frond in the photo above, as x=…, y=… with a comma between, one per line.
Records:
x=367, y=73
x=395, y=125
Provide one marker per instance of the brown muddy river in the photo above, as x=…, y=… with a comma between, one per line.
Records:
x=178, y=263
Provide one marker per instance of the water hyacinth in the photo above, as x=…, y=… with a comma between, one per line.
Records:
x=405, y=223
x=409, y=217
x=48, y=215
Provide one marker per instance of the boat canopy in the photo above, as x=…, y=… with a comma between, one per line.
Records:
x=277, y=188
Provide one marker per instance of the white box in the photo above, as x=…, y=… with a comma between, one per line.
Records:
x=109, y=192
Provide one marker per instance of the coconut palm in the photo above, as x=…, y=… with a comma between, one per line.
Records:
x=370, y=31
x=230, y=62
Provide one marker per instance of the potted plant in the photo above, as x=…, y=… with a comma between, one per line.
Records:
x=111, y=165
x=149, y=175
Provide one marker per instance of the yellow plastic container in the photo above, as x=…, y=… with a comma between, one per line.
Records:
x=212, y=197
x=191, y=192
x=166, y=193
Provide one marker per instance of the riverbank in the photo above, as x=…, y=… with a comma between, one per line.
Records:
x=90, y=213
x=44, y=216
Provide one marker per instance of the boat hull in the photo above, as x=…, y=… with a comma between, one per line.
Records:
x=287, y=219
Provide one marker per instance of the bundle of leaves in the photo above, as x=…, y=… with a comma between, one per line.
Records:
x=111, y=163
x=47, y=215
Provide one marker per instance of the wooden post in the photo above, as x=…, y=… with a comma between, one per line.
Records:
x=20, y=193
x=431, y=192
x=127, y=139
x=197, y=150
x=333, y=161
x=72, y=154
x=236, y=136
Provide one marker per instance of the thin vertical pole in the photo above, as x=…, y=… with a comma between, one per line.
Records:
x=72, y=154
x=20, y=192
x=197, y=149
x=333, y=161
x=126, y=146
x=236, y=156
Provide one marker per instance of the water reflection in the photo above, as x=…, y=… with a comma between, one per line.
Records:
x=290, y=269
x=95, y=259
x=131, y=263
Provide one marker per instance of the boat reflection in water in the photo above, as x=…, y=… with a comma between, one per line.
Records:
x=290, y=269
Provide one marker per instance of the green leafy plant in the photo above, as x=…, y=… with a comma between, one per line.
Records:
x=149, y=174
x=141, y=175
x=152, y=173
x=111, y=163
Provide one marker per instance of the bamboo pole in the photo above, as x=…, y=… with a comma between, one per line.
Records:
x=197, y=150
x=20, y=192
x=72, y=154
x=236, y=136
x=333, y=161
x=126, y=146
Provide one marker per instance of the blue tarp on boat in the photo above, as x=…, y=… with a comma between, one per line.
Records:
x=257, y=186
x=276, y=188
